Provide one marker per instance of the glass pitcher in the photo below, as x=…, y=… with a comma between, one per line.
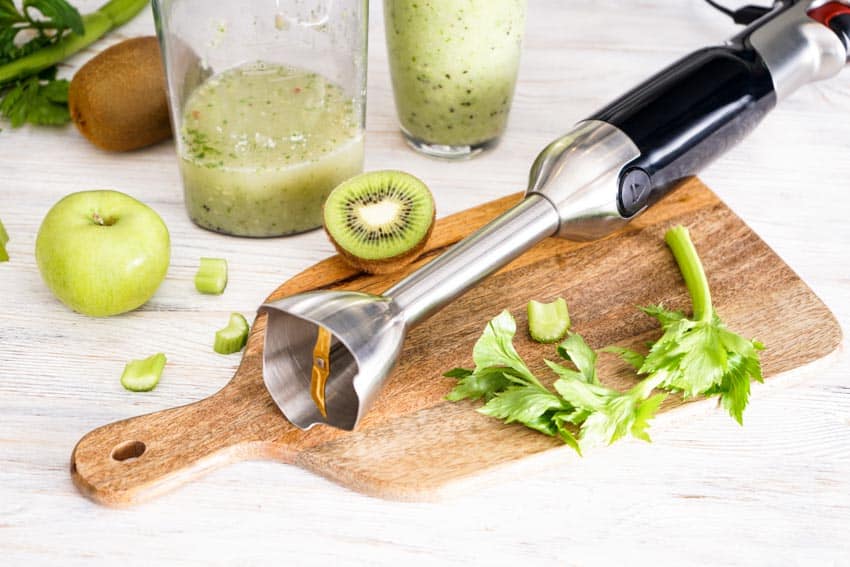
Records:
x=268, y=102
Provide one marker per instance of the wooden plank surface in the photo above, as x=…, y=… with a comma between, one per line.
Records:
x=775, y=492
x=411, y=423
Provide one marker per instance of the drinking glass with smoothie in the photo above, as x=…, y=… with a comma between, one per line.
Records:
x=454, y=66
x=268, y=105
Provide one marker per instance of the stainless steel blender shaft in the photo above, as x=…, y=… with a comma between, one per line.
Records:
x=572, y=191
x=449, y=276
x=588, y=158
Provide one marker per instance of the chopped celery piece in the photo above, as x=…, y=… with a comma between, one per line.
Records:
x=212, y=276
x=143, y=375
x=233, y=337
x=4, y=238
x=548, y=322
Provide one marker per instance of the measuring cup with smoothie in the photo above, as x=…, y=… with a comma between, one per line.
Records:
x=454, y=66
x=268, y=103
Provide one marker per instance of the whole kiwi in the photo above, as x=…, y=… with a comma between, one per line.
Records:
x=118, y=99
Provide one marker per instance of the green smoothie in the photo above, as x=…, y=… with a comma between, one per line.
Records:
x=263, y=145
x=454, y=66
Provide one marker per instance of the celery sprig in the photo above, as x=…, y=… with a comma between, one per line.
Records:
x=697, y=356
x=700, y=355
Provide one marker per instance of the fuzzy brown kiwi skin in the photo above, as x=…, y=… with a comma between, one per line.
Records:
x=384, y=265
x=118, y=99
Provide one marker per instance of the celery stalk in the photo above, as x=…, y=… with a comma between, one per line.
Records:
x=679, y=240
x=143, y=375
x=233, y=337
x=211, y=277
x=548, y=322
x=4, y=238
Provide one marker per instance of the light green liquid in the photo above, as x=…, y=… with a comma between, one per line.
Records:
x=262, y=147
x=454, y=65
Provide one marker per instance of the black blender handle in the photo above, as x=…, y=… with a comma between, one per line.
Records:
x=687, y=115
x=841, y=26
x=691, y=112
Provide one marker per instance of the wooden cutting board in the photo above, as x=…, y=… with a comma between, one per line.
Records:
x=413, y=442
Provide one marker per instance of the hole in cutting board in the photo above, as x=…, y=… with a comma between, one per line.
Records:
x=128, y=450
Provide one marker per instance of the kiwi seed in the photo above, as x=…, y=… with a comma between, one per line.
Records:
x=380, y=221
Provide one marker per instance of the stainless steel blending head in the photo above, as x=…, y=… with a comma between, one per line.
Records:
x=585, y=185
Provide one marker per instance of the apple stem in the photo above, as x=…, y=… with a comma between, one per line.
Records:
x=101, y=221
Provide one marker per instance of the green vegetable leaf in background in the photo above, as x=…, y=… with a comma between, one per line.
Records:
x=57, y=15
x=37, y=24
x=40, y=99
x=36, y=99
x=9, y=13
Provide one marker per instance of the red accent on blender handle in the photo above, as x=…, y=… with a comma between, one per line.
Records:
x=825, y=13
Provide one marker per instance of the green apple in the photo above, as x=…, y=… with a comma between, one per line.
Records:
x=102, y=252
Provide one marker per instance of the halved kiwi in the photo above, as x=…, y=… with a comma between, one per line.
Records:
x=379, y=221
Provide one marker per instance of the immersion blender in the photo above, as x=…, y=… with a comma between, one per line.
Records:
x=583, y=186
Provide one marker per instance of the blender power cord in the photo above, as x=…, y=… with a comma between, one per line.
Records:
x=742, y=16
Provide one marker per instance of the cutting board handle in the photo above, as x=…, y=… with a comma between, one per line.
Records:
x=137, y=458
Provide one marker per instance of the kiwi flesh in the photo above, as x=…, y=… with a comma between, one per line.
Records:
x=118, y=99
x=379, y=221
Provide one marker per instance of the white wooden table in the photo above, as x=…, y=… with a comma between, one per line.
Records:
x=776, y=492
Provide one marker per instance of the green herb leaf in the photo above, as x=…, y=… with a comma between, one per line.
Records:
x=604, y=414
x=38, y=24
x=497, y=364
x=485, y=383
x=576, y=350
x=45, y=46
x=495, y=347
x=40, y=100
x=58, y=15
x=622, y=415
x=634, y=359
x=528, y=405
x=9, y=13
x=458, y=373
x=665, y=317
